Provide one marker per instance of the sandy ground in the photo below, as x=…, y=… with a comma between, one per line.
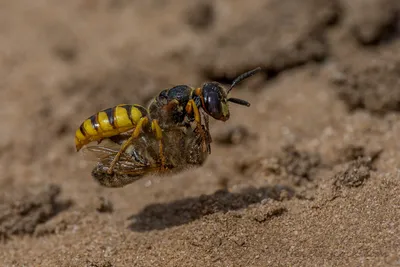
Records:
x=309, y=175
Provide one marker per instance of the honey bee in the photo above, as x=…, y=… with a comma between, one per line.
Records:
x=171, y=110
x=183, y=150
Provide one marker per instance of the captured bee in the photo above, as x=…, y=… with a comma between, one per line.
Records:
x=174, y=108
x=183, y=150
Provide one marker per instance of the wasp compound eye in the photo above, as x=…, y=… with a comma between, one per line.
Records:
x=215, y=101
x=212, y=103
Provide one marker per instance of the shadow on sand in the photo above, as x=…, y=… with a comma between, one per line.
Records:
x=161, y=216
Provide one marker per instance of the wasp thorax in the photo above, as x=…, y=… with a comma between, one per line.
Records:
x=215, y=101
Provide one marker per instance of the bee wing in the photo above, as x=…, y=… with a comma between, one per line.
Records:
x=101, y=151
x=137, y=170
x=105, y=153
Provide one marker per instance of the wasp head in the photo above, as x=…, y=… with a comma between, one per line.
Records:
x=215, y=101
x=215, y=98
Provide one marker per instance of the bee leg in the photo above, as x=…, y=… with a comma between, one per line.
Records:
x=192, y=108
x=143, y=121
x=171, y=105
x=155, y=127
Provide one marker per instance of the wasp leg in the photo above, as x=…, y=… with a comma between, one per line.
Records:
x=142, y=122
x=191, y=107
x=158, y=133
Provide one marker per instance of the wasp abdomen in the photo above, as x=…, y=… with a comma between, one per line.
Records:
x=107, y=123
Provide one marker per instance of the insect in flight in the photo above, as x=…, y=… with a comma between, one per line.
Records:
x=175, y=114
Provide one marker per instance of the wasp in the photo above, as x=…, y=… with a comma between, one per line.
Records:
x=173, y=108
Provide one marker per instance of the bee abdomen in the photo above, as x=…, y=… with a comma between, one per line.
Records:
x=107, y=123
x=99, y=173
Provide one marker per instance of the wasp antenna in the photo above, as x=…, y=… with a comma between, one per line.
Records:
x=239, y=101
x=243, y=76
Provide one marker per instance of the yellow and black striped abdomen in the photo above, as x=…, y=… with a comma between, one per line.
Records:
x=107, y=123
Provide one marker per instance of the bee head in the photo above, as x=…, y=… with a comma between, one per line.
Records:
x=215, y=98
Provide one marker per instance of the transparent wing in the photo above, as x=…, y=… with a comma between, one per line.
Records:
x=181, y=149
x=105, y=152
x=100, y=151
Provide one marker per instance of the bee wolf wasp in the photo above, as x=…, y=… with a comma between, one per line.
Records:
x=172, y=108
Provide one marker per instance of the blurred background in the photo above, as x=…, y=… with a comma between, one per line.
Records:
x=323, y=128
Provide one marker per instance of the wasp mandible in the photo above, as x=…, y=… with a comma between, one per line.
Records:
x=171, y=108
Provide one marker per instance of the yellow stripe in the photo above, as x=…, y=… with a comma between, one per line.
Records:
x=122, y=118
x=87, y=124
x=79, y=135
x=104, y=122
x=136, y=115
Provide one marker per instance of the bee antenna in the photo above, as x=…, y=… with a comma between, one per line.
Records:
x=243, y=76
